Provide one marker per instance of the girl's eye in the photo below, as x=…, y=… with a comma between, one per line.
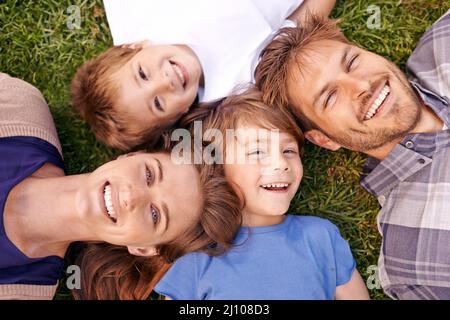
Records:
x=158, y=104
x=155, y=214
x=142, y=74
x=148, y=176
x=256, y=153
x=293, y=151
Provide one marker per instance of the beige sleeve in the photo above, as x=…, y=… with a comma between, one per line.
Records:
x=24, y=111
x=27, y=292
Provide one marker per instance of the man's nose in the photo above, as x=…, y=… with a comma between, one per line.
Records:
x=356, y=87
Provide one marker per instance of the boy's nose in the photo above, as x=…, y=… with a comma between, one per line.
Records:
x=167, y=80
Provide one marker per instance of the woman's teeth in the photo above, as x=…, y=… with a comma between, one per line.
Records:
x=108, y=203
x=275, y=186
x=377, y=103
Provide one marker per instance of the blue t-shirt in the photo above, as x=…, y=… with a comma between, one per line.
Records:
x=20, y=158
x=303, y=257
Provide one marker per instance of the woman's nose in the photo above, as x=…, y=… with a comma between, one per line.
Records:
x=132, y=197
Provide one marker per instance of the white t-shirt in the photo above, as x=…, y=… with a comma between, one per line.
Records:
x=227, y=36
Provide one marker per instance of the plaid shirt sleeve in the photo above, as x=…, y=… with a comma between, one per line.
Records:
x=412, y=185
x=429, y=65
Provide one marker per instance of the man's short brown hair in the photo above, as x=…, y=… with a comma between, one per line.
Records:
x=94, y=94
x=289, y=49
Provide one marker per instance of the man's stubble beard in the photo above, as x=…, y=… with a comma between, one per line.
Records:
x=406, y=117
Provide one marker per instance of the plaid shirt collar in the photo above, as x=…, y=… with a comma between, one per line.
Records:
x=418, y=148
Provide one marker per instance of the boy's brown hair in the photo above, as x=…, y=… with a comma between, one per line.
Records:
x=94, y=94
x=289, y=49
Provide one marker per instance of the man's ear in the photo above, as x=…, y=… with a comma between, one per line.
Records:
x=319, y=138
x=143, y=251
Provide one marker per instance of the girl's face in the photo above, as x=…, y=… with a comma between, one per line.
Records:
x=269, y=176
x=140, y=200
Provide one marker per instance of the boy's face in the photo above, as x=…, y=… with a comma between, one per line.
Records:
x=270, y=176
x=157, y=85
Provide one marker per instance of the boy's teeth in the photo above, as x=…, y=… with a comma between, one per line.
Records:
x=377, y=103
x=179, y=73
x=108, y=202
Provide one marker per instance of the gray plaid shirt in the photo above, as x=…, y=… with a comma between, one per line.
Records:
x=412, y=185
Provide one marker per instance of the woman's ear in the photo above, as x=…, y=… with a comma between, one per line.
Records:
x=129, y=154
x=142, y=252
x=319, y=138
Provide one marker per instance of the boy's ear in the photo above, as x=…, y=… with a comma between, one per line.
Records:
x=142, y=252
x=138, y=44
x=319, y=138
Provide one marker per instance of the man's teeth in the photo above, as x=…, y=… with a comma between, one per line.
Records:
x=179, y=73
x=275, y=185
x=377, y=103
x=108, y=203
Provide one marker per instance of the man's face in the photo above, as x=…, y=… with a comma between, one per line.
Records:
x=358, y=99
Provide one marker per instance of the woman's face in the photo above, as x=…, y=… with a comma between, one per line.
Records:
x=140, y=200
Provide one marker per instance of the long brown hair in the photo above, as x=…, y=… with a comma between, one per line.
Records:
x=244, y=108
x=111, y=272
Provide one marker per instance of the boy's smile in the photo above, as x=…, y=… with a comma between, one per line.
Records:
x=157, y=85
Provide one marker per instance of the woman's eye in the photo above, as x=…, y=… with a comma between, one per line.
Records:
x=142, y=74
x=148, y=176
x=155, y=214
x=158, y=104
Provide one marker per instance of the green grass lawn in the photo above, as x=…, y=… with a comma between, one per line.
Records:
x=37, y=45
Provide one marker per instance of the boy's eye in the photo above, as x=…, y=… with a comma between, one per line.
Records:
x=158, y=104
x=155, y=214
x=148, y=176
x=142, y=74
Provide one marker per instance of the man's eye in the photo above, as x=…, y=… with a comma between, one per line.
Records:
x=158, y=104
x=155, y=214
x=329, y=98
x=142, y=74
x=351, y=62
x=148, y=176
